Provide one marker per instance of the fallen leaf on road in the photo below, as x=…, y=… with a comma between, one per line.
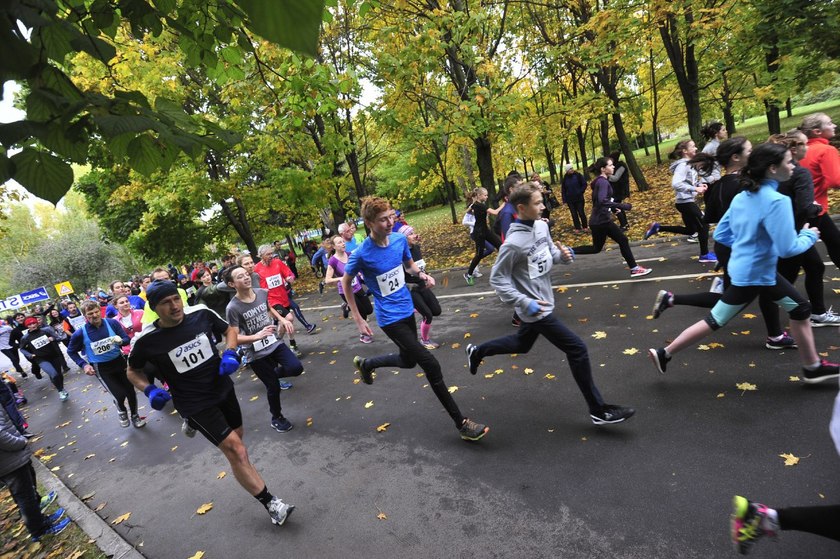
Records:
x=721, y=395
x=89, y=496
x=793, y=379
x=790, y=459
x=173, y=448
x=99, y=507
x=383, y=427
x=474, y=315
x=528, y=371
x=453, y=389
x=309, y=422
x=748, y=315
x=205, y=508
x=198, y=555
x=253, y=398
x=599, y=335
x=745, y=386
x=121, y=519
x=369, y=404
x=221, y=475
x=549, y=376
x=630, y=351
x=381, y=516
x=456, y=345
x=89, y=456
x=467, y=335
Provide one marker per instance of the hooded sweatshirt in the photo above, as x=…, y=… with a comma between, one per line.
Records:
x=522, y=272
x=684, y=182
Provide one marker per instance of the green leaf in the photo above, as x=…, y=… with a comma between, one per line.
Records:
x=145, y=154
x=293, y=24
x=114, y=125
x=55, y=39
x=232, y=55
x=134, y=97
x=41, y=105
x=175, y=112
x=165, y=6
x=15, y=132
x=70, y=142
x=6, y=168
x=95, y=47
x=42, y=174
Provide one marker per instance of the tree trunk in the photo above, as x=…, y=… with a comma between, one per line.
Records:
x=484, y=162
x=581, y=138
x=684, y=63
x=239, y=220
x=605, y=134
x=624, y=142
x=549, y=158
x=645, y=144
x=728, y=115
x=468, y=167
x=789, y=108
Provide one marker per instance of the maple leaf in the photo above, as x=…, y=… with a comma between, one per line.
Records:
x=549, y=376
x=745, y=386
x=381, y=516
x=599, y=335
x=714, y=345
x=790, y=459
x=121, y=519
x=467, y=335
x=369, y=404
x=254, y=398
x=221, y=475
x=456, y=345
x=383, y=427
x=630, y=351
x=528, y=371
x=748, y=315
x=205, y=508
x=721, y=395
x=703, y=347
x=793, y=379
x=198, y=555
x=453, y=389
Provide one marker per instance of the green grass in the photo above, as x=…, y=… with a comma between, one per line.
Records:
x=754, y=128
x=432, y=217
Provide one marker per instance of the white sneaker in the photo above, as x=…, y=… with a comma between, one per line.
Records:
x=692, y=238
x=640, y=271
x=828, y=318
x=63, y=395
x=477, y=273
x=279, y=511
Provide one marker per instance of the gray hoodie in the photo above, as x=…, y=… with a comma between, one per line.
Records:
x=684, y=182
x=522, y=272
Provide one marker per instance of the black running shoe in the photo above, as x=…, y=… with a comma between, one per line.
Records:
x=659, y=359
x=359, y=363
x=826, y=371
x=611, y=414
x=472, y=431
x=472, y=358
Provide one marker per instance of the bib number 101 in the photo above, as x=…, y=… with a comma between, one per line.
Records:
x=193, y=358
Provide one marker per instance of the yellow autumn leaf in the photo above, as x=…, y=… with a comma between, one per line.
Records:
x=381, y=516
x=221, y=475
x=467, y=335
x=748, y=315
x=174, y=448
x=357, y=380
x=793, y=379
x=456, y=345
x=198, y=555
x=499, y=371
x=369, y=404
x=703, y=347
x=752, y=364
x=745, y=386
x=383, y=427
x=630, y=351
x=599, y=335
x=836, y=291
x=549, y=376
x=474, y=315
x=253, y=398
x=721, y=395
x=309, y=422
x=714, y=345
x=745, y=332
x=124, y=444
x=528, y=371
x=561, y=289
x=89, y=456
x=205, y=508
x=453, y=389
x=121, y=519
x=65, y=424
x=48, y=457
x=489, y=375
x=790, y=459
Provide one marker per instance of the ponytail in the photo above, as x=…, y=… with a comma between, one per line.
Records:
x=760, y=160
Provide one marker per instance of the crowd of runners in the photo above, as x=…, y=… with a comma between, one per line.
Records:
x=179, y=335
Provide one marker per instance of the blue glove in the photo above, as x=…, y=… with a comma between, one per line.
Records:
x=157, y=396
x=230, y=362
x=534, y=308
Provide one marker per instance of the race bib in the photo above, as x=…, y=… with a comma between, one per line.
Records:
x=539, y=264
x=268, y=341
x=191, y=291
x=40, y=342
x=190, y=355
x=101, y=347
x=421, y=264
x=274, y=281
x=76, y=322
x=391, y=281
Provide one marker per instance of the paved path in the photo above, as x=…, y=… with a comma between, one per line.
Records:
x=545, y=482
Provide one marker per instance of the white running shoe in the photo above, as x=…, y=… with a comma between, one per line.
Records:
x=279, y=511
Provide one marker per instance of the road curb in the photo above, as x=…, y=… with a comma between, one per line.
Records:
x=106, y=538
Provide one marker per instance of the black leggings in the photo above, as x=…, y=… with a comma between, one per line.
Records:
x=425, y=303
x=693, y=219
x=812, y=263
x=404, y=334
x=362, y=303
x=280, y=363
x=13, y=356
x=599, y=237
x=830, y=236
x=823, y=521
x=479, y=240
x=112, y=375
x=578, y=212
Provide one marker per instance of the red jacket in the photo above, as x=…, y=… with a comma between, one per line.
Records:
x=823, y=161
x=274, y=277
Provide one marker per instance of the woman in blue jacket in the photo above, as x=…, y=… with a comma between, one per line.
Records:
x=758, y=227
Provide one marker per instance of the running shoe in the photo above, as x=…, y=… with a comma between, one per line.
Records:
x=63, y=395
x=652, y=230
x=311, y=329
x=470, y=280
x=692, y=238
x=429, y=344
x=20, y=400
x=124, y=422
x=826, y=371
x=786, y=342
x=472, y=431
x=664, y=300
x=708, y=257
x=477, y=273
x=138, y=421
x=54, y=529
x=828, y=318
x=281, y=425
x=345, y=310
x=285, y=385
x=749, y=522
x=187, y=429
x=47, y=500
x=609, y=414
x=640, y=271
x=279, y=511
x=359, y=363
x=515, y=321
x=472, y=358
x=659, y=358
x=296, y=351
x=56, y=516
x=366, y=338
x=321, y=287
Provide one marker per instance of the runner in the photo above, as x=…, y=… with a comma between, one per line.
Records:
x=101, y=340
x=425, y=302
x=759, y=229
x=130, y=319
x=39, y=345
x=179, y=344
x=481, y=232
x=6, y=347
x=335, y=271
x=380, y=258
x=521, y=277
x=253, y=321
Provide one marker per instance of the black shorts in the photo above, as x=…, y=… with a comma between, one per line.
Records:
x=281, y=309
x=217, y=422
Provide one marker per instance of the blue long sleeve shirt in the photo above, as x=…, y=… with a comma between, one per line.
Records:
x=758, y=226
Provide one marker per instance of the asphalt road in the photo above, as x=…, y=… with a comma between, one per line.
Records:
x=545, y=482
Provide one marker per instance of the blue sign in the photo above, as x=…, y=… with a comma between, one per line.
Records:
x=29, y=297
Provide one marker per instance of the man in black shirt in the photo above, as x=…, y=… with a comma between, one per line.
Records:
x=180, y=345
